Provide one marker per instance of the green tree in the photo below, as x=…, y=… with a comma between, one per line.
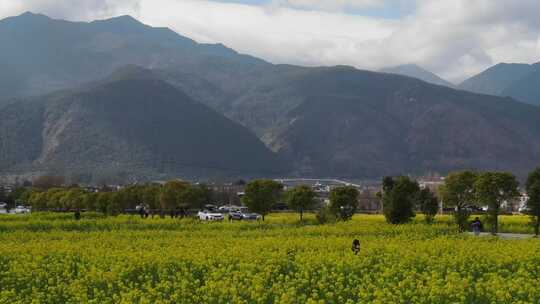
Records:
x=38, y=200
x=115, y=202
x=72, y=199
x=54, y=198
x=195, y=197
x=89, y=201
x=399, y=200
x=428, y=204
x=172, y=195
x=493, y=189
x=151, y=196
x=261, y=195
x=344, y=201
x=458, y=193
x=301, y=198
x=3, y=195
x=103, y=201
x=533, y=204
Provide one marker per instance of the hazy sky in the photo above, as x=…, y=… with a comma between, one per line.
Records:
x=453, y=38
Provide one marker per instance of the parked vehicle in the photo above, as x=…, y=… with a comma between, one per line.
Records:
x=20, y=210
x=251, y=216
x=210, y=207
x=207, y=215
x=232, y=208
x=235, y=215
x=3, y=208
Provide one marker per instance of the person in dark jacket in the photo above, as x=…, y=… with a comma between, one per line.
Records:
x=476, y=226
x=355, y=246
x=77, y=214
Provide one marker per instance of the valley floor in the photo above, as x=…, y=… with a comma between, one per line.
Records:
x=50, y=258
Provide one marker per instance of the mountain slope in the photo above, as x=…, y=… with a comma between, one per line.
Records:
x=45, y=54
x=359, y=123
x=336, y=121
x=527, y=89
x=413, y=70
x=496, y=79
x=137, y=126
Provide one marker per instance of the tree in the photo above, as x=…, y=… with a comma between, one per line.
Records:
x=344, y=201
x=195, y=197
x=493, y=189
x=150, y=195
x=89, y=201
x=103, y=201
x=38, y=200
x=533, y=204
x=458, y=192
x=72, y=199
x=115, y=203
x=399, y=200
x=428, y=204
x=171, y=196
x=3, y=196
x=261, y=195
x=18, y=195
x=300, y=198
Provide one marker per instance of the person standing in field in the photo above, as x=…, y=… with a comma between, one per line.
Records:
x=355, y=246
x=77, y=215
x=476, y=226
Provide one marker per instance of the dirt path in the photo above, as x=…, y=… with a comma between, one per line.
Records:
x=514, y=236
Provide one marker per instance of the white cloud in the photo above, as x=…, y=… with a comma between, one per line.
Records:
x=452, y=38
x=69, y=9
x=332, y=5
x=279, y=35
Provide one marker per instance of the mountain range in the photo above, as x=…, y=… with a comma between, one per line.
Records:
x=117, y=97
x=129, y=124
x=517, y=80
x=415, y=71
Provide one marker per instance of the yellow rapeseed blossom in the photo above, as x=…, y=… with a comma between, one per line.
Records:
x=50, y=258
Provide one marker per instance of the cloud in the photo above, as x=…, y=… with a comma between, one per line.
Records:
x=70, y=9
x=454, y=39
x=332, y=5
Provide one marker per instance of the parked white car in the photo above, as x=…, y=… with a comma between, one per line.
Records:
x=210, y=216
x=251, y=216
x=20, y=210
x=3, y=208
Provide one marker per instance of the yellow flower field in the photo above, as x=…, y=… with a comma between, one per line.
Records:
x=49, y=258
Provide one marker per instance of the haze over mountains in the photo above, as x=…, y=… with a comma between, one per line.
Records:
x=413, y=70
x=146, y=102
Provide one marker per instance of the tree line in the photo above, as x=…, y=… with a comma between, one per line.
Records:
x=461, y=190
x=401, y=198
x=492, y=189
x=173, y=196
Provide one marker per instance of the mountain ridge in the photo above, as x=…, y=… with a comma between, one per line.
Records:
x=164, y=134
x=321, y=121
x=415, y=71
